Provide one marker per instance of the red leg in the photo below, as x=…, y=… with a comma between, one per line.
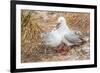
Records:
x=61, y=49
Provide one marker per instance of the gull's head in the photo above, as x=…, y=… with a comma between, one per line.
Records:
x=61, y=21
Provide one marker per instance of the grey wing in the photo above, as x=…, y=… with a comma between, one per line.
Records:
x=47, y=37
x=72, y=38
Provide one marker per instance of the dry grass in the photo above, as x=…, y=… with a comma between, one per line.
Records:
x=33, y=23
